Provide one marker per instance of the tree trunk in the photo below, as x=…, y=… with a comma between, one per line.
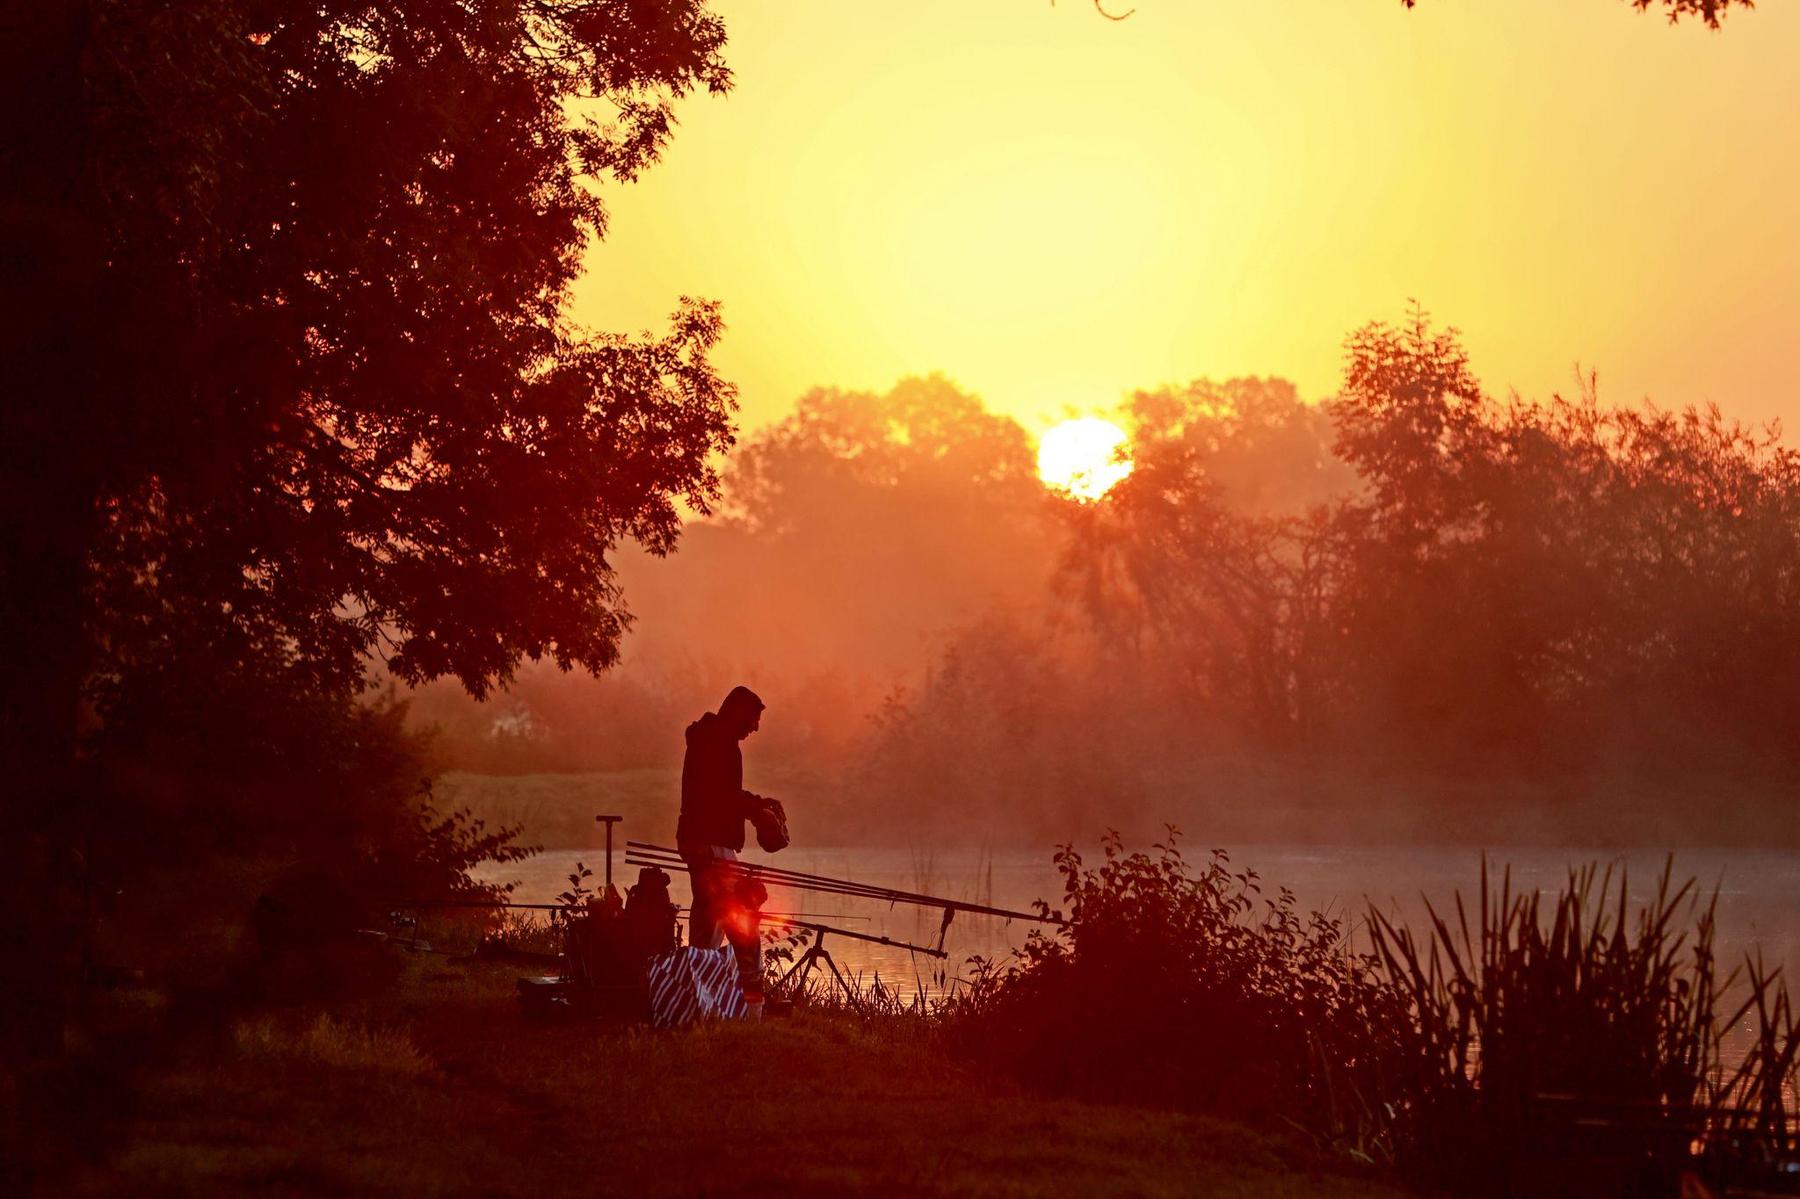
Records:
x=50, y=473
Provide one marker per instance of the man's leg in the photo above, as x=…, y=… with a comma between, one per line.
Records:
x=725, y=908
x=706, y=912
x=744, y=930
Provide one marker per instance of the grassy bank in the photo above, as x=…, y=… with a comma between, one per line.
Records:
x=439, y=1088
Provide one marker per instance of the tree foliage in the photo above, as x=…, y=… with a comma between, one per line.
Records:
x=299, y=381
x=1207, y=560
x=849, y=535
x=1506, y=585
x=1711, y=12
x=291, y=383
x=924, y=435
x=863, y=519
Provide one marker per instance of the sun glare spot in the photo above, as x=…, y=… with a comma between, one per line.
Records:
x=1083, y=458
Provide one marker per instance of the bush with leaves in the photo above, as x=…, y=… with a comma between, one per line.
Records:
x=203, y=761
x=1177, y=985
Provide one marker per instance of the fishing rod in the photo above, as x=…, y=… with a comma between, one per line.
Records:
x=643, y=853
x=423, y=904
x=847, y=889
x=843, y=888
x=743, y=869
x=663, y=856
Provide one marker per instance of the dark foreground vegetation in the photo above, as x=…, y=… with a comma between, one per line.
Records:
x=432, y=1084
x=1529, y=1045
x=1184, y=1034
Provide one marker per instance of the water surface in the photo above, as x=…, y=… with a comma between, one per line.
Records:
x=1758, y=892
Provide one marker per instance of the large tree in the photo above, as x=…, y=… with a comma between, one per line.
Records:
x=290, y=373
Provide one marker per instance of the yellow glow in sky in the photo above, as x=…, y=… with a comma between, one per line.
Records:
x=1053, y=209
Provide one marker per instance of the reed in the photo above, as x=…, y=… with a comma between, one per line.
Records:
x=1550, y=1030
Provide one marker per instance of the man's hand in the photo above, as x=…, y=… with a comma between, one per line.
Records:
x=770, y=819
x=754, y=803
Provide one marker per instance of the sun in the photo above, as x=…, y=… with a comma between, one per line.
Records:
x=1083, y=458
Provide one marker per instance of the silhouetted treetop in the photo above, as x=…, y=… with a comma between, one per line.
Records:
x=1407, y=411
x=1712, y=12
x=1497, y=586
x=1255, y=439
x=305, y=385
x=925, y=432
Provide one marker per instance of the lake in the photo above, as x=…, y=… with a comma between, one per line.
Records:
x=1759, y=892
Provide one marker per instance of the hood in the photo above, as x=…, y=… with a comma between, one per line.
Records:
x=708, y=728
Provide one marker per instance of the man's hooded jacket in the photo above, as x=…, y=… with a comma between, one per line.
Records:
x=714, y=804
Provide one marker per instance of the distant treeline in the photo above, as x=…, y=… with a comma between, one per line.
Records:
x=1411, y=581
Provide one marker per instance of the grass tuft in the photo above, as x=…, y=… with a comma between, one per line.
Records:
x=335, y=1044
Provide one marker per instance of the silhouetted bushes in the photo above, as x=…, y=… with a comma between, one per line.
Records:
x=208, y=763
x=1171, y=985
x=1567, y=1045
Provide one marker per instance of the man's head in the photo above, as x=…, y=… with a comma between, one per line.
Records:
x=741, y=712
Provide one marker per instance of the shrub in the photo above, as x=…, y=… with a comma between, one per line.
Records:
x=248, y=764
x=1188, y=987
x=1554, y=1045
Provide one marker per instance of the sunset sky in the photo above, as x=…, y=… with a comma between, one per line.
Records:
x=1053, y=209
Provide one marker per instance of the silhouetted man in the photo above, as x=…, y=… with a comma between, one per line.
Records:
x=714, y=808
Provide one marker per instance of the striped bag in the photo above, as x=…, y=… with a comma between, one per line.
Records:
x=687, y=984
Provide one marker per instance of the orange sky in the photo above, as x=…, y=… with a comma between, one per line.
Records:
x=1053, y=209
